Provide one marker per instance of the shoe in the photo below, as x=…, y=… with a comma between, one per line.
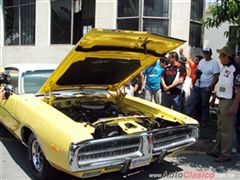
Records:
x=213, y=154
x=222, y=159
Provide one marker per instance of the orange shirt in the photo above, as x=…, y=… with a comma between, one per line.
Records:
x=191, y=72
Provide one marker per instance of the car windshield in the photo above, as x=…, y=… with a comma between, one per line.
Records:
x=33, y=80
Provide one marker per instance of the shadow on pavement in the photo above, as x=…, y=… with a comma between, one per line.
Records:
x=16, y=149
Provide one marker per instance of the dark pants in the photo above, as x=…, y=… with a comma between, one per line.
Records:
x=172, y=101
x=199, y=95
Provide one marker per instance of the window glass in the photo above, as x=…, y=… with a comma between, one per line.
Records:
x=8, y=3
x=19, y=22
x=61, y=21
x=26, y=1
x=156, y=8
x=197, y=9
x=71, y=19
x=195, y=36
x=83, y=18
x=28, y=24
x=157, y=26
x=11, y=16
x=127, y=8
x=153, y=15
x=33, y=80
x=128, y=24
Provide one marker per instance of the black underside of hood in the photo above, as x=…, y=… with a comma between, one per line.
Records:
x=98, y=71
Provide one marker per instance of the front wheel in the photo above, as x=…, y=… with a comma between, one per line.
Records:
x=39, y=166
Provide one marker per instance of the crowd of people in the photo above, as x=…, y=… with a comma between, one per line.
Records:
x=191, y=86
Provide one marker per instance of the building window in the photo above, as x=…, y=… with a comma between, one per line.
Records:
x=71, y=19
x=232, y=37
x=196, y=30
x=144, y=15
x=19, y=22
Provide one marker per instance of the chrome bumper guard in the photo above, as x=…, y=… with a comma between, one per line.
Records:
x=121, y=151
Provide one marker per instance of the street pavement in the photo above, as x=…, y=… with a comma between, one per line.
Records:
x=189, y=164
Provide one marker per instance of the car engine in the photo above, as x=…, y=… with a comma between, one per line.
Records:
x=90, y=112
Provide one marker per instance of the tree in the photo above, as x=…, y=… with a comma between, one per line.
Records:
x=225, y=11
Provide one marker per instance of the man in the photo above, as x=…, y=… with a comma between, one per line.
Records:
x=172, y=77
x=225, y=94
x=152, y=76
x=208, y=71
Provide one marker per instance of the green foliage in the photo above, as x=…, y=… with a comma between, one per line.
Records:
x=225, y=11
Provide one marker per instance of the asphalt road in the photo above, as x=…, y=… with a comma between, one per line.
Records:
x=186, y=165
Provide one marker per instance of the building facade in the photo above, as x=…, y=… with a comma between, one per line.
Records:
x=39, y=31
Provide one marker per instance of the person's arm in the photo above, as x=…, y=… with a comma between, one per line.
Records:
x=163, y=84
x=176, y=83
x=181, y=79
x=214, y=82
x=143, y=81
x=234, y=106
x=135, y=87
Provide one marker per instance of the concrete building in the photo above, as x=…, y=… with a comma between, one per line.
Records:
x=45, y=30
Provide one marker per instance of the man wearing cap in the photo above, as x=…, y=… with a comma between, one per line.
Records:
x=208, y=71
x=225, y=94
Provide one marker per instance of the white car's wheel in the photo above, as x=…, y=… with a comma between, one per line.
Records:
x=39, y=166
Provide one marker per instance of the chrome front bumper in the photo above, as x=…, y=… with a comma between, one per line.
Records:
x=123, y=151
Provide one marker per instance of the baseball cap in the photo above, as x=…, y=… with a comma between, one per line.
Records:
x=226, y=50
x=209, y=50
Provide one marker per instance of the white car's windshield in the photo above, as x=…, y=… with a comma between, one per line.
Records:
x=33, y=80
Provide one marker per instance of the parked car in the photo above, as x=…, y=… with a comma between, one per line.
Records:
x=81, y=123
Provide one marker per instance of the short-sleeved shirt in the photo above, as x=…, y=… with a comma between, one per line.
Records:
x=169, y=75
x=225, y=85
x=208, y=69
x=153, y=76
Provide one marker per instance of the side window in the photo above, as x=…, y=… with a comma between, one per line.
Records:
x=14, y=79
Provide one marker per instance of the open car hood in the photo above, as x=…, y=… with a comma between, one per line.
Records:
x=108, y=59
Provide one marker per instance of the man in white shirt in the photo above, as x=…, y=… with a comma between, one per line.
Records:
x=208, y=71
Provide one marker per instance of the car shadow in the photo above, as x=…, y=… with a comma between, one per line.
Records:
x=16, y=149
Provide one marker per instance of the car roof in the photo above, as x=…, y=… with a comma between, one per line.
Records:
x=32, y=66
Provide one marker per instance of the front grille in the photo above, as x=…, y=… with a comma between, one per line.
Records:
x=107, y=149
x=164, y=139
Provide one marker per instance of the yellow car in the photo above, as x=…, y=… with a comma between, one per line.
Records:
x=80, y=122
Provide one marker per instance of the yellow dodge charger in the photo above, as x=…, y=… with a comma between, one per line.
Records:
x=77, y=119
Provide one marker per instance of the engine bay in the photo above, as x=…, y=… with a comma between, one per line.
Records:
x=108, y=118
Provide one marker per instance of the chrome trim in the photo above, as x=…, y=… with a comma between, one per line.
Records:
x=144, y=143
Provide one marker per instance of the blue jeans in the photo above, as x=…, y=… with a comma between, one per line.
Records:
x=173, y=101
x=199, y=95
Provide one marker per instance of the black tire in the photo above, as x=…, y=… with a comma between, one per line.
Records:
x=39, y=166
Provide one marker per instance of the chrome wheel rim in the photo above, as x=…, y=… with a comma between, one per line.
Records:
x=37, y=156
